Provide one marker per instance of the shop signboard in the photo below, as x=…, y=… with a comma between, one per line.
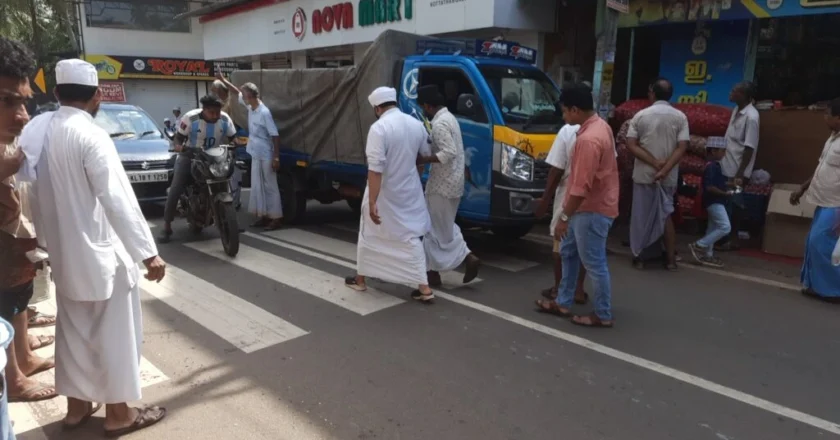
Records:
x=113, y=67
x=112, y=91
x=704, y=62
x=648, y=12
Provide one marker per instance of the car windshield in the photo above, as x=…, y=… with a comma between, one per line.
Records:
x=127, y=123
x=526, y=97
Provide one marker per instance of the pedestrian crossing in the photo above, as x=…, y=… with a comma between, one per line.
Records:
x=240, y=323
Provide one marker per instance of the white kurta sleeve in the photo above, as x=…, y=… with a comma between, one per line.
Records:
x=445, y=143
x=375, y=149
x=111, y=187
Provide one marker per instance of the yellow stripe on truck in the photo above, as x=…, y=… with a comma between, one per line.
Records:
x=536, y=145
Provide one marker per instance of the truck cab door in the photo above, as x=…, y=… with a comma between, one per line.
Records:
x=462, y=99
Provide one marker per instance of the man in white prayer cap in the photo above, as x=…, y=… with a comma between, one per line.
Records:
x=394, y=215
x=88, y=217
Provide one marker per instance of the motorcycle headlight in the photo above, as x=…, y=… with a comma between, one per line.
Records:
x=220, y=169
x=516, y=164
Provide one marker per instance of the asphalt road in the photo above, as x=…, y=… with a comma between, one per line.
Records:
x=271, y=346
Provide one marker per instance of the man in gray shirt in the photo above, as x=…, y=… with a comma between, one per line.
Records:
x=658, y=137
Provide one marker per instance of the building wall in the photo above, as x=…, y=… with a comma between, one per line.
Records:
x=108, y=41
x=270, y=29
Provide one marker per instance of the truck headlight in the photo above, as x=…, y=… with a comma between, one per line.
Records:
x=516, y=164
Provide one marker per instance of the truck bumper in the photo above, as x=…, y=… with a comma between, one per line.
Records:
x=513, y=202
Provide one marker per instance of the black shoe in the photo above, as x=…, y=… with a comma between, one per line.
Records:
x=425, y=299
x=473, y=264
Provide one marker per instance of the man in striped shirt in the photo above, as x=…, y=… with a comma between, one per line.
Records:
x=204, y=128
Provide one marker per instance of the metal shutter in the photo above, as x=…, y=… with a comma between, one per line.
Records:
x=158, y=97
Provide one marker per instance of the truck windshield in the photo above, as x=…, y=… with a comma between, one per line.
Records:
x=526, y=97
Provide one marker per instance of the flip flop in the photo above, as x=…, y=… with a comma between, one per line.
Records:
x=34, y=316
x=43, y=341
x=594, y=321
x=423, y=298
x=351, y=283
x=71, y=426
x=29, y=395
x=146, y=417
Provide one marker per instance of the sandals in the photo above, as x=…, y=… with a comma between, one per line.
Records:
x=274, y=225
x=425, y=298
x=93, y=410
x=353, y=284
x=591, y=320
x=551, y=293
x=552, y=308
x=38, y=319
x=43, y=341
x=146, y=417
x=31, y=394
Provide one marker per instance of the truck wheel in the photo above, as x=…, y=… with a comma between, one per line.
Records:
x=511, y=232
x=294, y=201
x=355, y=205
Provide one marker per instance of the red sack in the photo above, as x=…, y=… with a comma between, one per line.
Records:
x=692, y=165
x=627, y=109
x=706, y=119
x=697, y=146
x=621, y=137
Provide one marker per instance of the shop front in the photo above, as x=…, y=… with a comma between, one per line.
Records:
x=789, y=49
x=331, y=33
x=156, y=85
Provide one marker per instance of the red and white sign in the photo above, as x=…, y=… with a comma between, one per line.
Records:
x=299, y=24
x=338, y=16
x=112, y=91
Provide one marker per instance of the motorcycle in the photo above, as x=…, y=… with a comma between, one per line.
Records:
x=207, y=200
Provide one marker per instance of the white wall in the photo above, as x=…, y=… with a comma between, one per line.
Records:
x=269, y=29
x=103, y=41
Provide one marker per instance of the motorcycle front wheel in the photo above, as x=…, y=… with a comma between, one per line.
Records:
x=228, y=225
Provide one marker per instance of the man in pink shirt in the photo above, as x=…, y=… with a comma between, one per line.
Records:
x=590, y=207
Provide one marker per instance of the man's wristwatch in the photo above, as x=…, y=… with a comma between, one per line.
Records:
x=564, y=218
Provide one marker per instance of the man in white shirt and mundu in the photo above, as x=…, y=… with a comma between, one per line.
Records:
x=88, y=217
x=394, y=215
x=444, y=244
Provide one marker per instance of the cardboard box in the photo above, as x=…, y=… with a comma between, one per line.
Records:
x=786, y=226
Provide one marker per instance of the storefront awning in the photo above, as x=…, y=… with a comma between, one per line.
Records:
x=225, y=8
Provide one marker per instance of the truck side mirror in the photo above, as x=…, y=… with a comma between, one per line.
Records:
x=468, y=105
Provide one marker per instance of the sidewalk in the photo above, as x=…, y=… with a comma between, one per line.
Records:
x=749, y=262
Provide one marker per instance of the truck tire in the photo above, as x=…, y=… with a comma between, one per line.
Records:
x=293, y=200
x=511, y=232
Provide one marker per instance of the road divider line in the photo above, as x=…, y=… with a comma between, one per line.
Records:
x=301, y=277
x=347, y=250
x=645, y=364
x=33, y=415
x=240, y=323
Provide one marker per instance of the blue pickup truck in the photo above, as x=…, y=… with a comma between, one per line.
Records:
x=509, y=116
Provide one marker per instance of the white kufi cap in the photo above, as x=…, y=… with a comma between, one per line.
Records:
x=382, y=95
x=76, y=71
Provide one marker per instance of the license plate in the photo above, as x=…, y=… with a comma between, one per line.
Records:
x=145, y=176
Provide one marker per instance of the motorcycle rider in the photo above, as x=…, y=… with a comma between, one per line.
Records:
x=204, y=127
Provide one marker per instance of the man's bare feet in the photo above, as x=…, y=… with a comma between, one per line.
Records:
x=35, y=364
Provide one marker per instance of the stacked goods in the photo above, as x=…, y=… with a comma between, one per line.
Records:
x=704, y=121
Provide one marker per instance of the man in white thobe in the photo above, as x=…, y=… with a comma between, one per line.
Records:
x=88, y=218
x=394, y=216
x=444, y=244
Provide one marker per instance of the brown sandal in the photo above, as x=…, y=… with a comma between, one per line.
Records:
x=146, y=417
x=42, y=341
x=591, y=320
x=94, y=408
x=551, y=293
x=552, y=308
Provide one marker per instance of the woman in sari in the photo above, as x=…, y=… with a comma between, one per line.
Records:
x=820, y=278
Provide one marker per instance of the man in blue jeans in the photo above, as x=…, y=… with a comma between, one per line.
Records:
x=590, y=206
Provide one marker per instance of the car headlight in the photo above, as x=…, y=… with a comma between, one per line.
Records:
x=517, y=164
x=220, y=169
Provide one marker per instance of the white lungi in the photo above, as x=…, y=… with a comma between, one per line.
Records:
x=444, y=244
x=387, y=259
x=265, y=194
x=98, y=345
